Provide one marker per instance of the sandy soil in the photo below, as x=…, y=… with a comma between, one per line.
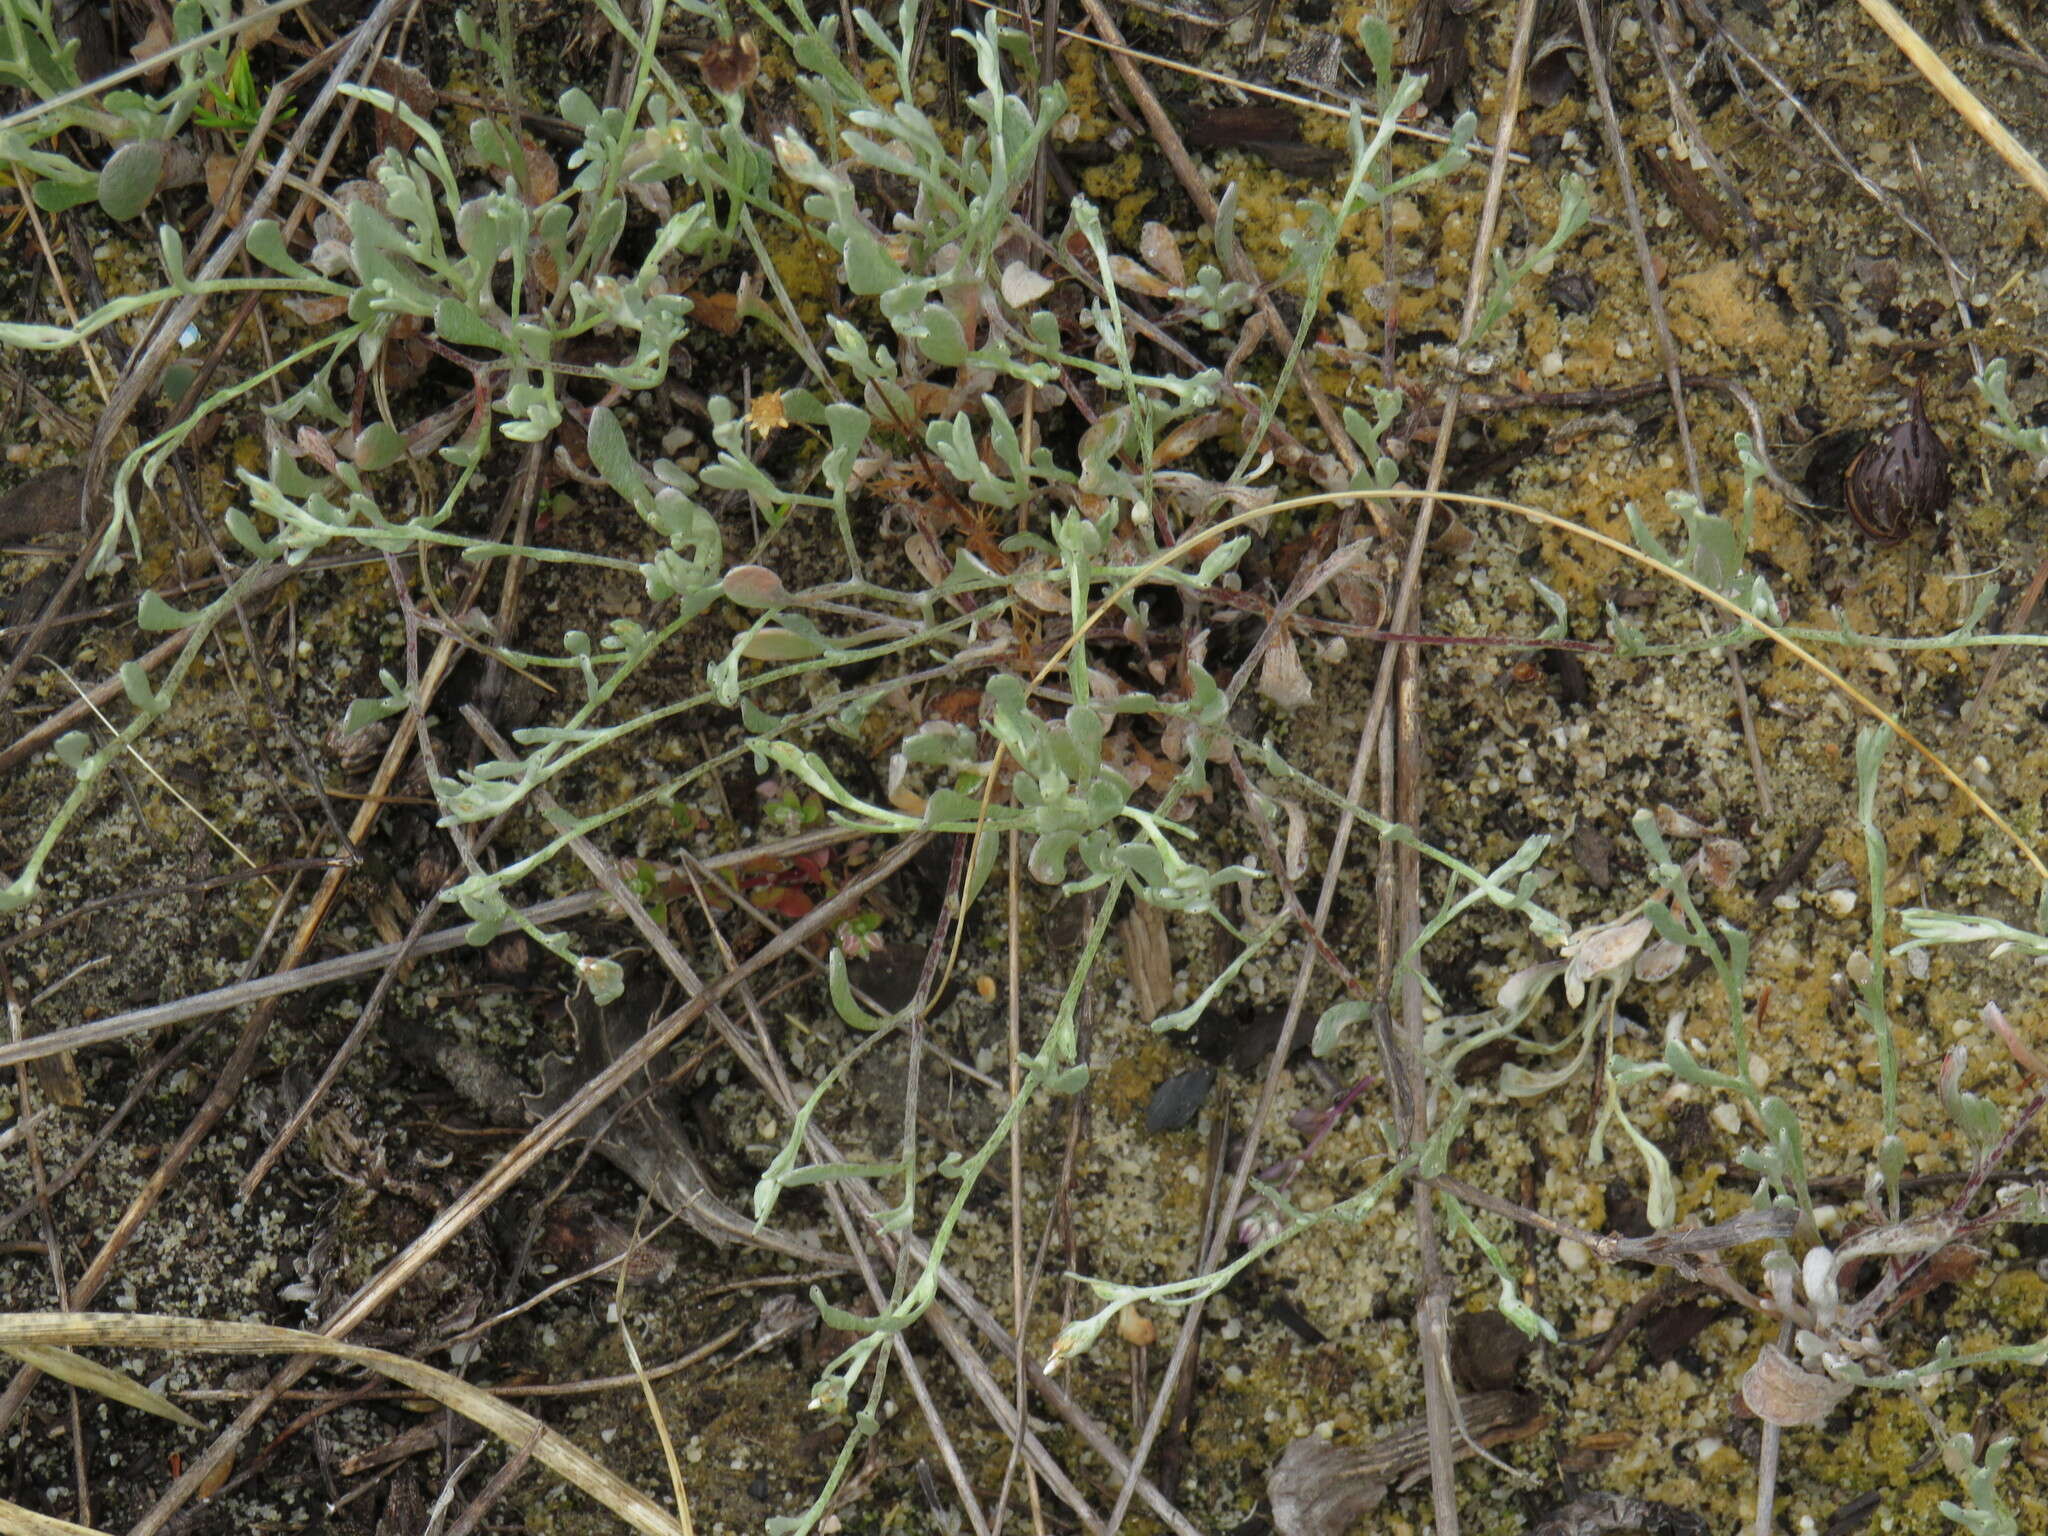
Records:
x=1828, y=320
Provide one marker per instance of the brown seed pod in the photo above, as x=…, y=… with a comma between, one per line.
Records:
x=1898, y=479
x=731, y=63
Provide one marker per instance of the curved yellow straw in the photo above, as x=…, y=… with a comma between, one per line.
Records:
x=1958, y=95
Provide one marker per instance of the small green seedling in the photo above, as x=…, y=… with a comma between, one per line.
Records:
x=233, y=105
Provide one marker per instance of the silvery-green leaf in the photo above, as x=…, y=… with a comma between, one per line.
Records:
x=56, y=194
x=1337, y=1018
x=135, y=684
x=153, y=613
x=131, y=177
x=461, y=326
x=266, y=244
x=1661, y=1201
x=843, y=1000
x=1527, y=984
x=73, y=749
x=1518, y=1082
x=380, y=446
x=776, y=643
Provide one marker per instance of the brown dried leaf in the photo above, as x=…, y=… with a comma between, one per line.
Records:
x=1590, y=1451
x=1672, y=1329
x=1597, y=951
x=574, y=1236
x=1191, y=434
x=405, y=1507
x=543, y=176
x=637, y=1129
x=1148, y=958
x=1486, y=1351
x=719, y=311
x=1318, y=1489
x=315, y=309
x=1433, y=43
x=1271, y=132
x=156, y=37
x=220, y=173
x=1321, y=1489
x=215, y=1480
x=1363, y=597
x=545, y=271
x=1296, y=846
x=1040, y=591
x=410, y=86
x=924, y=555
x=42, y=505
x=1659, y=959
x=1316, y=61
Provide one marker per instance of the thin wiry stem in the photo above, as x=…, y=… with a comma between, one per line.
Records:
x=1400, y=902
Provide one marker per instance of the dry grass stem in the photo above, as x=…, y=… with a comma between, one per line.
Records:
x=1958, y=95
x=120, y=1330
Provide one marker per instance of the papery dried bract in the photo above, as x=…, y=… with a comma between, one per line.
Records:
x=1659, y=959
x=1781, y=1392
x=1721, y=859
x=1159, y=248
x=1138, y=278
x=1281, y=678
x=1024, y=286
x=1526, y=983
x=1598, y=951
x=1673, y=822
x=924, y=555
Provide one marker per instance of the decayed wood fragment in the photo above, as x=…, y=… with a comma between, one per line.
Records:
x=1320, y=1488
